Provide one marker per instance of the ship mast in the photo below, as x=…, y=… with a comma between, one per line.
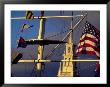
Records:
x=67, y=64
x=40, y=46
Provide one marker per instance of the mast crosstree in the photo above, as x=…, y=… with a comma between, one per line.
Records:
x=67, y=64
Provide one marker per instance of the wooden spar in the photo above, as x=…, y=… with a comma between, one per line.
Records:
x=18, y=18
x=40, y=49
x=45, y=17
x=75, y=60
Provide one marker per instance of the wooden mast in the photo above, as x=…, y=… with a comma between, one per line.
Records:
x=40, y=46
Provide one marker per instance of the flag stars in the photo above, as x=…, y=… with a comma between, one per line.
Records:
x=89, y=30
x=86, y=25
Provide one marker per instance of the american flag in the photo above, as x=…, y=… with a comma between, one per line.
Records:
x=90, y=41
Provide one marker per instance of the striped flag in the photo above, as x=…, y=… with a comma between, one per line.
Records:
x=25, y=26
x=29, y=15
x=90, y=41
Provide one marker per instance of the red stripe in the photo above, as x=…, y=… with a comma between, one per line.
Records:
x=88, y=38
x=87, y=52
x=89, y=45
x=86, y=45
x=96, y=49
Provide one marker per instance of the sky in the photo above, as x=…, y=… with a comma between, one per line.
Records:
x=52, y=27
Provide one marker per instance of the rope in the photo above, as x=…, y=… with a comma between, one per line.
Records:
x=62, y=32
x=66, y=35
x=42, y=70
x=33, y=70
x=59, y=33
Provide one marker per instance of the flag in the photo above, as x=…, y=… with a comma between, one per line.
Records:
x=25, y=26
x=29, y=15
x=90, y=41
x=22, y=43
x=17, y=58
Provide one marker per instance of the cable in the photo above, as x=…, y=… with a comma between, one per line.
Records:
x=58, y=33
x=33, y=70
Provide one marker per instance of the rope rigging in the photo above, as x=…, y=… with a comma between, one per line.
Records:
x=56, y=48
x=65, y=37
x=57, y=34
